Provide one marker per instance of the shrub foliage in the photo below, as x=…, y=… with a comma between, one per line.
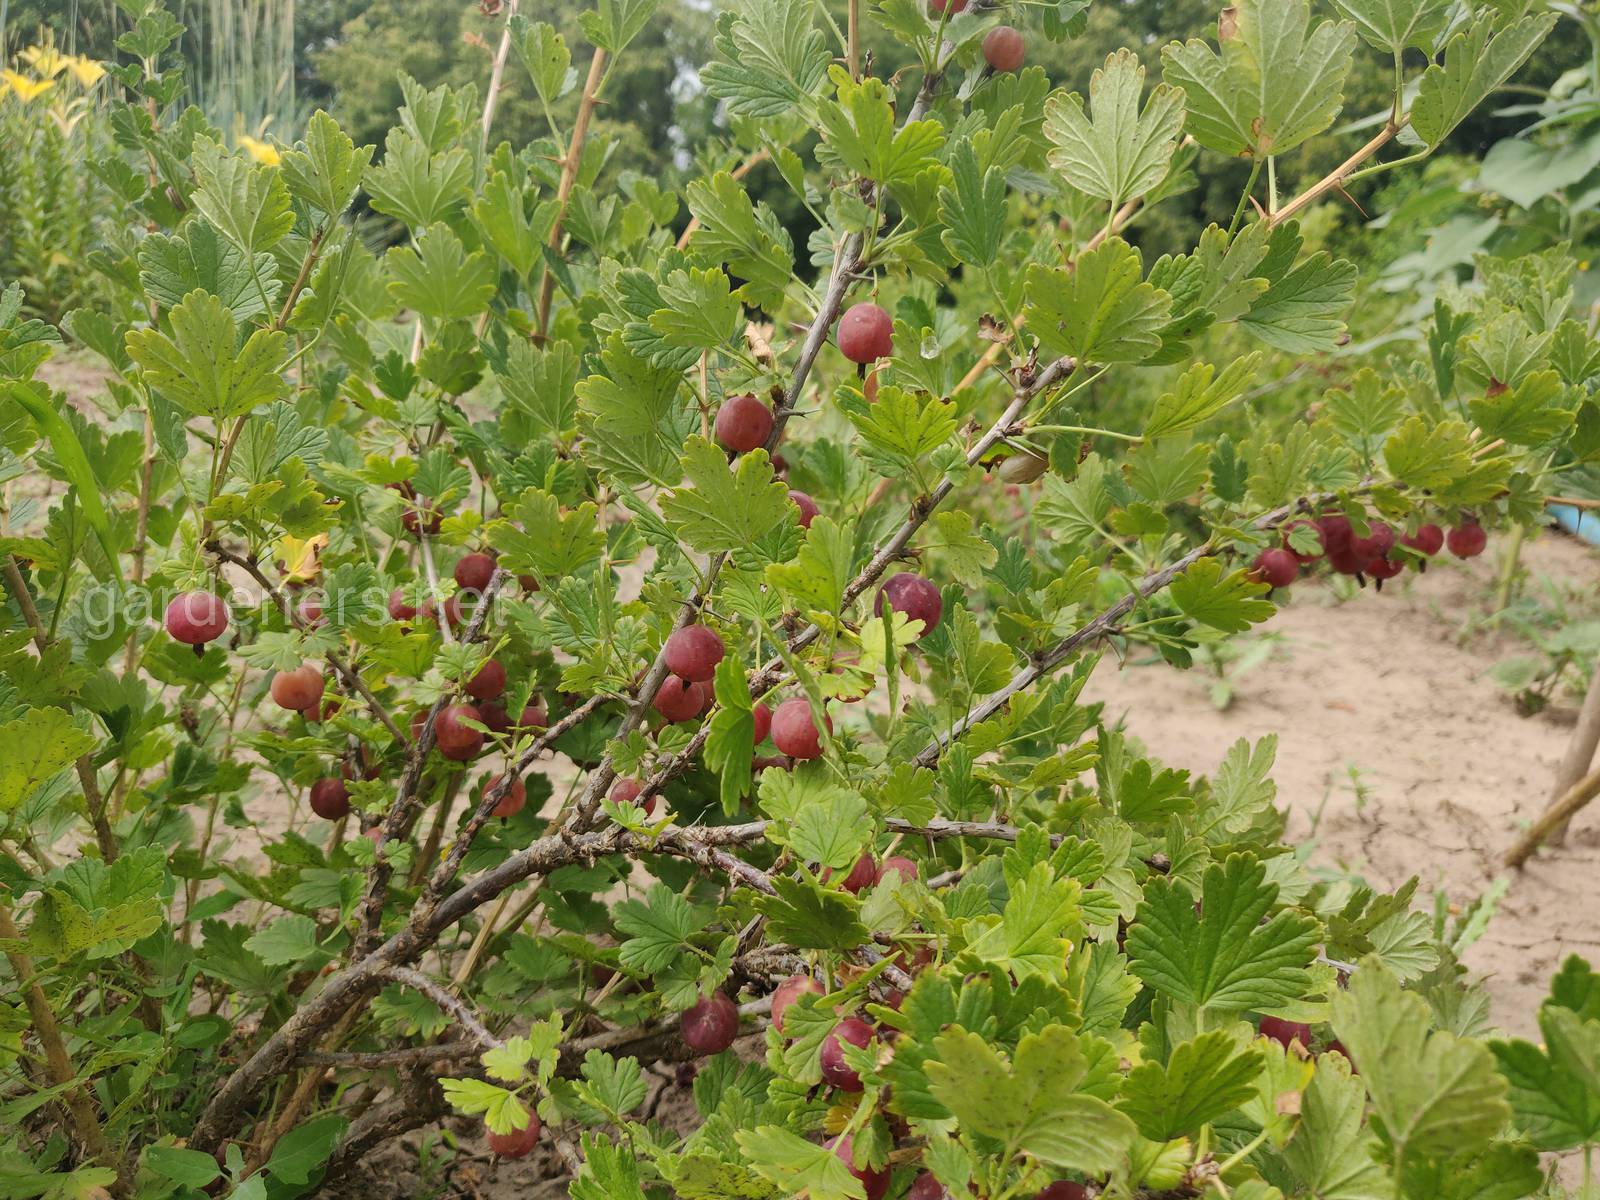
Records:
x=479, y=652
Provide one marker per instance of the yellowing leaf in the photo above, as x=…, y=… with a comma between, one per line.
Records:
x=37, y=745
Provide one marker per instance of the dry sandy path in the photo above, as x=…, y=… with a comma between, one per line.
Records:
x=1449, y=769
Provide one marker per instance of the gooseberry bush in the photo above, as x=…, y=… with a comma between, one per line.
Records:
x=563, y=626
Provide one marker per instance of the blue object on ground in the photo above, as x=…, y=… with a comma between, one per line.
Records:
x=1579, y=522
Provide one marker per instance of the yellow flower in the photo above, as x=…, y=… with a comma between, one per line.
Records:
x=26, y=89
x=46, y=60
x=85, y=70
x=263, y=152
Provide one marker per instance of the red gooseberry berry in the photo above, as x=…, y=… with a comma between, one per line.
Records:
x=474, y=571
x=1003, y=48
x=195, y=618
x=1381, y=568
x=510, y=804
x=693, y=653
x=710, y=1024
x=1275, y=567
x=1428, y=539
x=399, y=610
x=519, y=1143
x=807, y=507
x=763, y=722
x=1379, y=540
x=330, y=799
x=743, y=423
x=896, y=864
x=787, y=992
x=1466, y=540
x=297, y=690
x=487, y=682
x=1346, y=561
x=835, y=1071
x=626, y=791
x=874, y=1183
x=494, y=716
x=793, y=730
x=863, y=875
x=915, y=596
x=1283, y=1032
x=1336, y=533
x=680, y=699
x=866, y=333
x=454, y=737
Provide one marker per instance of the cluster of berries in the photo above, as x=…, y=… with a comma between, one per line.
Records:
x=1382, y=553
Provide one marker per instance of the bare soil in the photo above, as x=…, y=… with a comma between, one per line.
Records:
x=1448, y=770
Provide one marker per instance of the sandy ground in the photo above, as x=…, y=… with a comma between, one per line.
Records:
x=1448, y=769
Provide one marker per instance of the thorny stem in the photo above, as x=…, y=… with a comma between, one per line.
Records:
x=572, y=842
x=1028, y=387
x=496, y=73
x=77, y=1098
x=570, y=163
x=1334, y=178
x=351, y=677
x=1106, y=622
x=94, y=799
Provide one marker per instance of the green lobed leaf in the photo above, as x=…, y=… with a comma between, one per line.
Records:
x=1476, y=61
x=725, y=509
x=325, y=169
x=42, y=742
x=1302, y=310
x=544, y=53
x=657, y=928
x=247, y=202
x=1394, y=25
x=1101, y=311
x=1116, y=151
x=901, y=429
x=1276, y=82
x=773, y=60
x=1231, y=602
x=1203, y=1081
x=861, y=131
x=1435, y=1093
x=1223, y=956
x=202, y=368
x=417, y=186
x=973, y=206
x=1200, y=394
x=799, y=1167
x=438, y=277
x=1033, y=1102
x=542, y=538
